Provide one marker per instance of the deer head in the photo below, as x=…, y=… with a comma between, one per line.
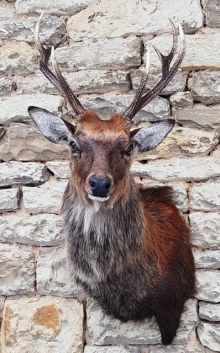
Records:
x=101, y=151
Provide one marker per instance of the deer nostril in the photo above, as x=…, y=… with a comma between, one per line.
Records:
x=92, y=183
x=99, y=187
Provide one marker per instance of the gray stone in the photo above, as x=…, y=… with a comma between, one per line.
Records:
x=14, y=109
x=17, y=273
x=42, y=230
x=29, y=173
x=24, y=142
x=178, y=82
x=176, y=349
x=2, y=302
x=212, y=13
x=52, y=31
x=202, y=51
x=197, y=168
x=209, y=335
x=51, y=323
x=204, y=228
x=207, y=259
x=207, y=285
x=5, y=85
x=48, y=197
x=210, y=312
x=107, y=349
x=104, y=330
x=104, y=19
x=206, y=196
x=205, y=86
x=199, y=116
x=61, y=170
x=182, y=99
x=9, y=200
x=52, y=274
x=57, y=7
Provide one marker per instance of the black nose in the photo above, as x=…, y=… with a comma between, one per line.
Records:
x=99, y=187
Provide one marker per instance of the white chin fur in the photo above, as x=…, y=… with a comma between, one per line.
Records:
x=99, y=199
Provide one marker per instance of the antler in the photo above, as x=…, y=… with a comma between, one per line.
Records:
x=55, y=78
x=140, y=101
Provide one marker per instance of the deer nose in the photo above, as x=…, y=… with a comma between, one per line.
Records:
x=99, y=187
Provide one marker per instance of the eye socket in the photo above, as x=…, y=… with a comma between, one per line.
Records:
x=74, y=147
x=128, y=150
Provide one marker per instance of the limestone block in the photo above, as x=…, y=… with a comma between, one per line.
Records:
x=57, y=7
x=5, y=85
x=183, y=141
x=210, y=312
x=52, y=273
x=42, y=230
x=108, y=349
x=104, y=19
x=24, y=142
x=17, y=58
x=176, y=349
x=207, y=285
x=47, y=197
x=209, y=335
x=22, y=29
x=199, y=116
x=177, y=83
x=207, y=259
x=204, y=229
x=202, y=51
x=197, y=168
x=212, y=13
x=17, y=273
x=205, y=86
x=61, y=170
x=104, y=330
x=14, y=109
x=116, y=53
x=22, y=173
x=9, y=199
x=50, y=324
x=206, y=196
x=2, y=303
x=182, y=99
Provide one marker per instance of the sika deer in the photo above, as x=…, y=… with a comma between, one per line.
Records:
x=129, y=248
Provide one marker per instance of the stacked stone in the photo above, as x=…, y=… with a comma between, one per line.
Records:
x=102, y=52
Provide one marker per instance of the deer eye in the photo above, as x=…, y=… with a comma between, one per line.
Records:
x=74, y=147
x=128, y=150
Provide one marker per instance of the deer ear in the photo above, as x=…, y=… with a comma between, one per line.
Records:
x=151, y=136
x=51, y=126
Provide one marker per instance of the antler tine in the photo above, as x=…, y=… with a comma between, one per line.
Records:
x=167, y=72
x=56, y=79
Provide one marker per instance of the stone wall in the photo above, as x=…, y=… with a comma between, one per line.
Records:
x=102, y=54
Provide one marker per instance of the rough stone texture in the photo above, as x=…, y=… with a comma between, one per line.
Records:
x=24, y=142
x=210, y=312
x=212, y=13
x=22, y=173
x=5, y=85
x=48, y=197
x=61, y=170
x=178, y=82
x=202, y=50
x=181, y=99
x=52, y=273
x=104, y=19
x=199, y=116
x=22, y=29
x=48, y=322
x=206, y=196
x=14, y=109
x=204, y=228
x=207, y=259
x=207, y=285
x=42, y=230
x=175, y=349
x=57, y=7
x=104, y=330
x=209, y=335
x=205, y=86
x=17, y=270
x=183, y=141
x=2, y=302
x=107, y=349
x=9, y=200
